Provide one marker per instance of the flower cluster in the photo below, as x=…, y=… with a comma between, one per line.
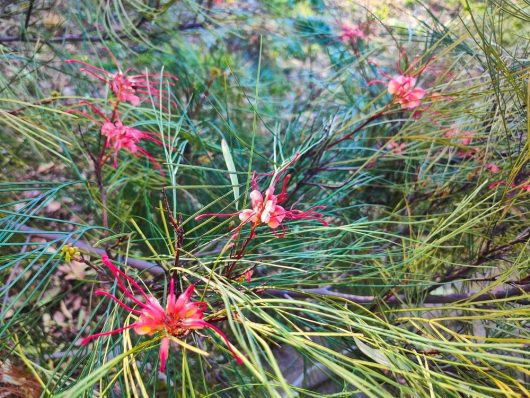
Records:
x=179, y=318
x=119, y=136
x=350, y=33
x=266, y=207
x=69, y=253
x=405, y=92
x=396, y=147
x=129, y=88
x=493, y=168
x=464, y=139
x=133, y=89
x=404, y=86
x=525, y=186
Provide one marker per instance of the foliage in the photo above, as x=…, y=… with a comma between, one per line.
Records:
x=417, y=287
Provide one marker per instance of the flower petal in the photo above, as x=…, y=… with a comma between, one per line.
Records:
x=276, y=217
x=164, y=353
x=256, y=198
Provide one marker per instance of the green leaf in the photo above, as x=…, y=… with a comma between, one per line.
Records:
x=231, y=170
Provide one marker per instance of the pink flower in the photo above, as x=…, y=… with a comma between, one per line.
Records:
x=402, y=86
x=465, y=138
x=496, y=184
x=124, y=137
x=129, y=88
x=349, y=33
x=120, y=136
x=266, y=208
x=451, y=131
x=179, y=318
x=493, y=168
x=404, y=92
x=397, y=148
x=245, y=276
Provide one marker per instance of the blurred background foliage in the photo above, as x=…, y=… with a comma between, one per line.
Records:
x=419, y=286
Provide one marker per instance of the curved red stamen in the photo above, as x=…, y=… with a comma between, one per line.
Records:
x=117, y=272
x=92, y=118
x=152, y=160
x=94, y=74
x=283, y=194
x=284, y=169
x=309, y=214
x=116, y=300
x=71, y=61
x=95, y=109
x=200, y=322
x=255, y=186
x=97, y=335
x=376, y=81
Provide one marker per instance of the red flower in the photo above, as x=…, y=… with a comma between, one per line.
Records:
x=496, y=184
x=404, y=91
x=266, y=207
x=130, y=88
x=120, y=136
x=403, y=86
x=493, y=168
x=125, y=137
x=179, y=318
x=350, y=32
x=397, y=148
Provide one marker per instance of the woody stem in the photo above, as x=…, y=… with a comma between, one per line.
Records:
x=98, y=171
x=239, y=253
x=98, y=166
x=314, y=170
x=103, y=198
x=358, y=128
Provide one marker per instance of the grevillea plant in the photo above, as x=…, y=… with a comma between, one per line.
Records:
x=119, y=136
x=266, y=207
x=179, y=318
x=126, y=87
x=350, y=33
x=134, y=89
x=403, y=87
x=361, y=231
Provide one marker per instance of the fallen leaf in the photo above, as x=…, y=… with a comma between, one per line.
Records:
x=53, y=206
x=45, y=167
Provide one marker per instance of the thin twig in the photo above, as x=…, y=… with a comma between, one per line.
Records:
x=28, y=14
x=177, y=228
x=83, y=37
x=14, y=270
x=484, y=256
x=82, y=245
x=514, y=291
